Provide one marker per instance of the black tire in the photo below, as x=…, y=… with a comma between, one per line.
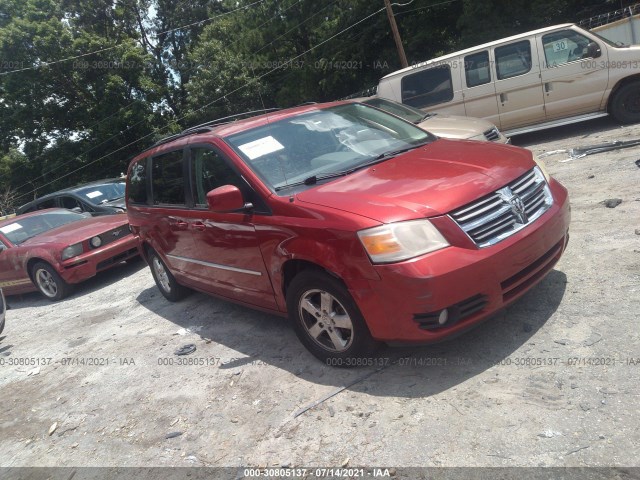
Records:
x=49, y=283
x=625, y=104
x=342, y=343
x=165, y=281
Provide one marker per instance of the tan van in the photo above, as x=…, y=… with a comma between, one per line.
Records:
x=540, y=79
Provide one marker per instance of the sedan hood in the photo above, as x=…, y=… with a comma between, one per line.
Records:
x=425, y=182
x=453, y=126
x=79, y=231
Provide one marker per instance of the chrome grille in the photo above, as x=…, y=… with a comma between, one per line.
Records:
x=502, y=213
x=492, y=134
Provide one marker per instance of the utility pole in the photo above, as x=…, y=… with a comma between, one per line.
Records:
x=396, y=35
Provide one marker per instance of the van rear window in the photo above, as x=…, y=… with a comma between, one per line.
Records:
x=427, y=87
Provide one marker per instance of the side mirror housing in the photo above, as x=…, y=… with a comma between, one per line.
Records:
x=593, y=50
x=227, y=198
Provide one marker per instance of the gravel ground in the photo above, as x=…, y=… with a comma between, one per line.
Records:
x=489, y=398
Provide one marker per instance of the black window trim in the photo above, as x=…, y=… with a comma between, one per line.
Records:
x=258, y=209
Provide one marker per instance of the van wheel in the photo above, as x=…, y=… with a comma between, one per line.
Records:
x=49, y=282
x=327, y=320
x=625, y=105
x=165, y=281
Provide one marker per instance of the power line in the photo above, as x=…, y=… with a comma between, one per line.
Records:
x=291, y=60
x=46, y=64
x=57, y=167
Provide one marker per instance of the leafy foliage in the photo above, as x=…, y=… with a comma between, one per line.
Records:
x=162, y=65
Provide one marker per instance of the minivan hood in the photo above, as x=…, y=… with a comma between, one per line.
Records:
x=425, y=182
x=454, y=126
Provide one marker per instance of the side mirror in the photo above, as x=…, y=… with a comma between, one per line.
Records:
x=76, y=209
x=2, y=247
x=227, y=198
x=593, y=50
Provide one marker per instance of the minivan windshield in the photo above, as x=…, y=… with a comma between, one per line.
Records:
x=321, y=144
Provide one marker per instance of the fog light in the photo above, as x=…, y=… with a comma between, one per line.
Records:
x=443, y=317
x=96, y=242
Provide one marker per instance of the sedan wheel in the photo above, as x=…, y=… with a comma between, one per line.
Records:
x=49, y=282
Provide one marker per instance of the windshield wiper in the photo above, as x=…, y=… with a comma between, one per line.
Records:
x=393, y=153
x=312, y=180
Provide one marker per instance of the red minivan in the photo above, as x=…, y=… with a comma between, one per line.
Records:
x=358, y=225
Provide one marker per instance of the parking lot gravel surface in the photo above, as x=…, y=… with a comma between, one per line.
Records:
x=551, y=381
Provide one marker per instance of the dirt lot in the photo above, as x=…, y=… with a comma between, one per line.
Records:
x=494, y=397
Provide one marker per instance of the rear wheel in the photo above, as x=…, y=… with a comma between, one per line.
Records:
x=625, y=105
x=165, y=281
x=327, y=320
x=49, y=282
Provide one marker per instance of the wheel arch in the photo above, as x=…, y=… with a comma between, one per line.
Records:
x=621, y=83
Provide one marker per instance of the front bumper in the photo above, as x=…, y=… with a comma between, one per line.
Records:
x=472, y=283
x=85, y=266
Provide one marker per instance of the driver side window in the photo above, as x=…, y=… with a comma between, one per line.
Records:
x=209, y=171
x=563, y=47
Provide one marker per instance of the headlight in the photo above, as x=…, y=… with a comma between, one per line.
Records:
x=399, y=241
x=95, y=242
x=542, y=167
x=72, y=251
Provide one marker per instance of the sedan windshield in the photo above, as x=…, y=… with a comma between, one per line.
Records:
x=410, y=114
x=98, y=194
x=325, y=143
x=25, y=228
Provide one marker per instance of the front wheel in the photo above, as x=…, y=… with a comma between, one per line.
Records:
x=165, y=281
x=327, y=320
x=625, y=104
x=49, y=282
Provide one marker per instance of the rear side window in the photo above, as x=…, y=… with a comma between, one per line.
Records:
x=513, y=59
x=210, y=171
x=427, y=87
x=138, y=182
x=563, y=47
x=167, y=178
x=50, y=203
x=476, y=69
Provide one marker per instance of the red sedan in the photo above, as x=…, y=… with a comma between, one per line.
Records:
x=50, y=250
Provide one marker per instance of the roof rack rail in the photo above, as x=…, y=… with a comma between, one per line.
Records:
x=208, y=126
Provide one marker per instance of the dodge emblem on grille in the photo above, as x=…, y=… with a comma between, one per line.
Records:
x=517, y=207
x=516, y=204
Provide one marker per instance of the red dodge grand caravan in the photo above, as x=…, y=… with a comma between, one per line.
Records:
x=358, y=225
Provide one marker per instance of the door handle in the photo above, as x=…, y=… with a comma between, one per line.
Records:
x=199, y=226
x=548, y=87
x=503, y=97
x=177, y=224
